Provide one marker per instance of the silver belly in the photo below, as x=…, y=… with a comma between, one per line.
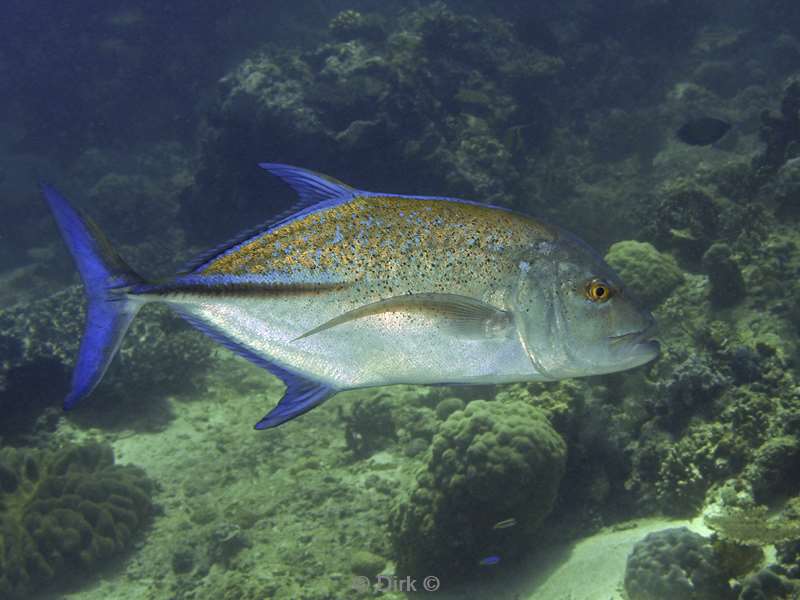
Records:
x=383, y=349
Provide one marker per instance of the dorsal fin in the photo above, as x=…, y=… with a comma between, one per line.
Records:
x=315, y=191
x=310, y=186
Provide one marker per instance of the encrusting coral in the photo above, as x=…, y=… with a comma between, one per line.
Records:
x=65, y=513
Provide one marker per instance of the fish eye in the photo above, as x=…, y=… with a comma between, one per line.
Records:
x=598, y=290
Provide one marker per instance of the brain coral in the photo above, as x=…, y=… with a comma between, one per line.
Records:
x=675, y=563
x=491, y=462
x=64, y=513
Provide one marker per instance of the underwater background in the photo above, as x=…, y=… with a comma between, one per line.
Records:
x=665, y=133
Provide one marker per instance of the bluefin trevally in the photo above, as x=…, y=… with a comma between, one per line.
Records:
x=359, y=289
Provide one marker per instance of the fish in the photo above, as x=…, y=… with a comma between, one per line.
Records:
x=505, y=523
x=489, y=561
x=356, y=289
x=702, y=131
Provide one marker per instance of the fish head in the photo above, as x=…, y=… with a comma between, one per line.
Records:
x=574, y=315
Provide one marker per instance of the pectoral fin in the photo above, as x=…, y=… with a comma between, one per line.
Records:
x=459, y=315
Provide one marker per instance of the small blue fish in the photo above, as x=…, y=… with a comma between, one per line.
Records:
x=359, y=289
x=489, y=560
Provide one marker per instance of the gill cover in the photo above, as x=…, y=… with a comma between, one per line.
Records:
x=536, y=315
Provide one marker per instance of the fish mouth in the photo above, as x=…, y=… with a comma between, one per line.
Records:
x=641, y=339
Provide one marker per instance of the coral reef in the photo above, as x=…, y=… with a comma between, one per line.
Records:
x=675, y=563
x=489, y=462
x=650, y=275
x=369, y=424
x=686, y=219
x=562, y=110
x=160, y=356
x=690, y=389
x=775, y=468
x=753, y=525
x=351, y=24
x=64, y=513
x=767, y=584
x=366, y=563
x=436, y=94
x=780, y=131
x=727, y=283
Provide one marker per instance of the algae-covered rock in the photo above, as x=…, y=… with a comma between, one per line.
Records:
x=65, y=513
x=651, y=275
x=490, y=462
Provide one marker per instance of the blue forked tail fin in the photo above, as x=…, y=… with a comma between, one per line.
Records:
x=106, y=280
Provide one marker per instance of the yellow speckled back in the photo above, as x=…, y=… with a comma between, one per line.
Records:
x=394, y=240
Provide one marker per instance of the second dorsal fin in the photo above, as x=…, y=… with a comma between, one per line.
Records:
x=311, y=187
x=315, y=191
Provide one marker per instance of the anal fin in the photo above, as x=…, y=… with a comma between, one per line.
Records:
x=301, y=394
x=300, y=397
